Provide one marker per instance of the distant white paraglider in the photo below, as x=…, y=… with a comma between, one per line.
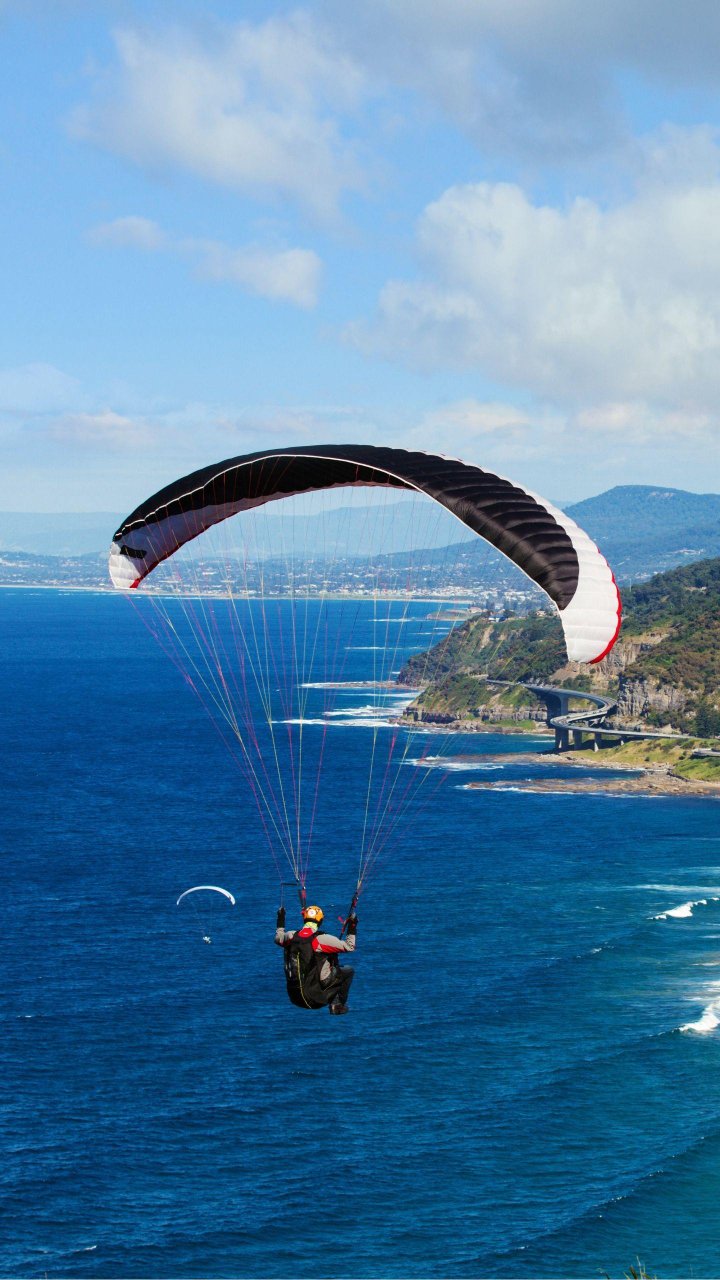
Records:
x=204, y=907
x=206, y=888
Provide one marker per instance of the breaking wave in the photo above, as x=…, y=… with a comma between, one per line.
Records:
x=453, y=766
x=685, y=910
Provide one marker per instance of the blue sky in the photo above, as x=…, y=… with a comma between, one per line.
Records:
x=485, y=228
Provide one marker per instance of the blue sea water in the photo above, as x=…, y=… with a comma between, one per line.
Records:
x=511, y=1094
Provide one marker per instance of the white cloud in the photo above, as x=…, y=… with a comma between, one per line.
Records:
x=103, y=430
x=535, y=78
x=579, y=306
x=469, y=418
x=278, y=107
x=287, y=275
x=250, y=107
x=36, y=388
x=130, y=233
x=290, y=275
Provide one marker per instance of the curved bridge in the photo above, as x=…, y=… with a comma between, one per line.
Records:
x=571, y=727
x=566, y=722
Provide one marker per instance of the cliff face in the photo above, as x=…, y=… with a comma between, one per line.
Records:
x=646, y=698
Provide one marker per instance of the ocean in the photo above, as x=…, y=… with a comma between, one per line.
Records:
x=528, y=1082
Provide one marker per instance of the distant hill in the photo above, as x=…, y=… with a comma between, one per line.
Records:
x=641, y=530
x=336, y=533
x=57, y=533
x=664, y=670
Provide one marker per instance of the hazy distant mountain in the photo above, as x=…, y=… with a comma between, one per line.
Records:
x=338, y=532
x=57, y=534
x=641, y=529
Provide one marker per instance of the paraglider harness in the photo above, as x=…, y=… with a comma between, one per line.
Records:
x=302, y=973
x=303, y=963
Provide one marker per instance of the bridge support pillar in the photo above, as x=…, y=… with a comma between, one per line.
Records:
x=577, y=738
x=562, y=739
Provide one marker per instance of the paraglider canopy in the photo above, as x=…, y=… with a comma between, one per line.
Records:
x=206, y=888
x=545, y=543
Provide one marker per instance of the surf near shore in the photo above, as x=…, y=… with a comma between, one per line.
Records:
x=627, y=780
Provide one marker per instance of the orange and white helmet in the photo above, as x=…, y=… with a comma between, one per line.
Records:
x=313, y=914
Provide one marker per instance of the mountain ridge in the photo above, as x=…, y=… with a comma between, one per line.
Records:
x=641, y=530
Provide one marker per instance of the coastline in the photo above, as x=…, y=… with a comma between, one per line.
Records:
x=641, y=780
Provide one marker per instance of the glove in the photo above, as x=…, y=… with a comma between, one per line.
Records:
x=280, y=922
x=352, y=926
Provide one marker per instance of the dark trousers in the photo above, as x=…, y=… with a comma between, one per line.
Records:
x=339, y=985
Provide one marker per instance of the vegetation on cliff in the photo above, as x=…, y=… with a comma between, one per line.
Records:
x=664, y=671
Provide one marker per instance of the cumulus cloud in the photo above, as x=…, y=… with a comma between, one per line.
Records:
x=580, y=306
x=277, y=108
x=287, y=275
x=539, y=79
x=253, y=107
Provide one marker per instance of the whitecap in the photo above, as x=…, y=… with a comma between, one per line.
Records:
x=684, y=911
x=350, y=712
x=708, y=1022
x=355, y=722
x=453, y=766
x=347, y=685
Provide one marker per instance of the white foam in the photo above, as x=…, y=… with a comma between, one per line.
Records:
x=684, y=888
x=352, y=712
x=708, y=1022
x=685, y=910
x=356, y=722
x=347, y=685
x=682, y=912
x=453, y=766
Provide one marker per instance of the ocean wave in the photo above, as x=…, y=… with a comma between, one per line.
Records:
x=708, y=890
x=355, y=722
x=452, y=766
x=352, y=712
x=685, y=910
x=708, y=1021
x=347, y=685
x=710, y=1016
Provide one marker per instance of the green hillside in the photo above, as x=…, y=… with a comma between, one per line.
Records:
x=665, y=668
